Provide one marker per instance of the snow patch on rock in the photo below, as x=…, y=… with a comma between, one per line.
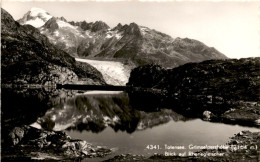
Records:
x=36, y=22
x=87, y=33
x=64, y=24
x=144, y=30
x=115, y=33
x=56, y=33
x=118, y=36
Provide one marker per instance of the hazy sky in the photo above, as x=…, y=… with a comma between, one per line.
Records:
x=233, y=28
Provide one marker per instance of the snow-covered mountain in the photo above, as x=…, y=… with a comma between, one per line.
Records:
x=131, y=44
x=36, y=17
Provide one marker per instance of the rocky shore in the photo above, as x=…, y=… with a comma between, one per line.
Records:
x=29, y=143
x=214, y=90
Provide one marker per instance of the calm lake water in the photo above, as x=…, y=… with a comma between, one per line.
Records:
x=117, y=120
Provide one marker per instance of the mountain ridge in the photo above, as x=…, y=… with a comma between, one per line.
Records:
x=131, y=44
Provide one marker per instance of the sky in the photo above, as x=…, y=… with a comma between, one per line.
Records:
x=233, y=28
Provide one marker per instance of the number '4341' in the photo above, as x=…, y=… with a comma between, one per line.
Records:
x=151, y=147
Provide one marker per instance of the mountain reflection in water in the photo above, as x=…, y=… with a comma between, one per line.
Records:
x=76, y=110
x=117, y=120
x=94, y=111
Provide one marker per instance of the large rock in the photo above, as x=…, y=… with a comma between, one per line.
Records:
x=16, y=135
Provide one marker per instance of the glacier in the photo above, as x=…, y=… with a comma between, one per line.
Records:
x=114, y=73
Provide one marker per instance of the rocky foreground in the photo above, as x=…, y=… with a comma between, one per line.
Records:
x=28, y=143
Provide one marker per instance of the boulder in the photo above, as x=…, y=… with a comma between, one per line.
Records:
x=16, y=135
x=207, y=115
x=257, y=122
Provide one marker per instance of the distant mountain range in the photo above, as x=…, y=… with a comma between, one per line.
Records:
x=131, y=44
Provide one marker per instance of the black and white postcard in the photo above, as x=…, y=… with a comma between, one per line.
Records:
x=130, y=80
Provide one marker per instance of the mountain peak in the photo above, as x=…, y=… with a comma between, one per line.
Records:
x=63, y=19
x=36, y=11
x=51, y=24
x=99, y=25
x=133, y=28
x=118, y=27
x=36, y=17
x=133, y=24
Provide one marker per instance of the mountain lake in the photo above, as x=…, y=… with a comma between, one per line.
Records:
x=114, y=119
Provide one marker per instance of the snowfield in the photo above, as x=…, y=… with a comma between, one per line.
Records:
x=114, y=73
x=38, y=17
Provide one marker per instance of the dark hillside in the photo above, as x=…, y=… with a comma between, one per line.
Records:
x=28, y=57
